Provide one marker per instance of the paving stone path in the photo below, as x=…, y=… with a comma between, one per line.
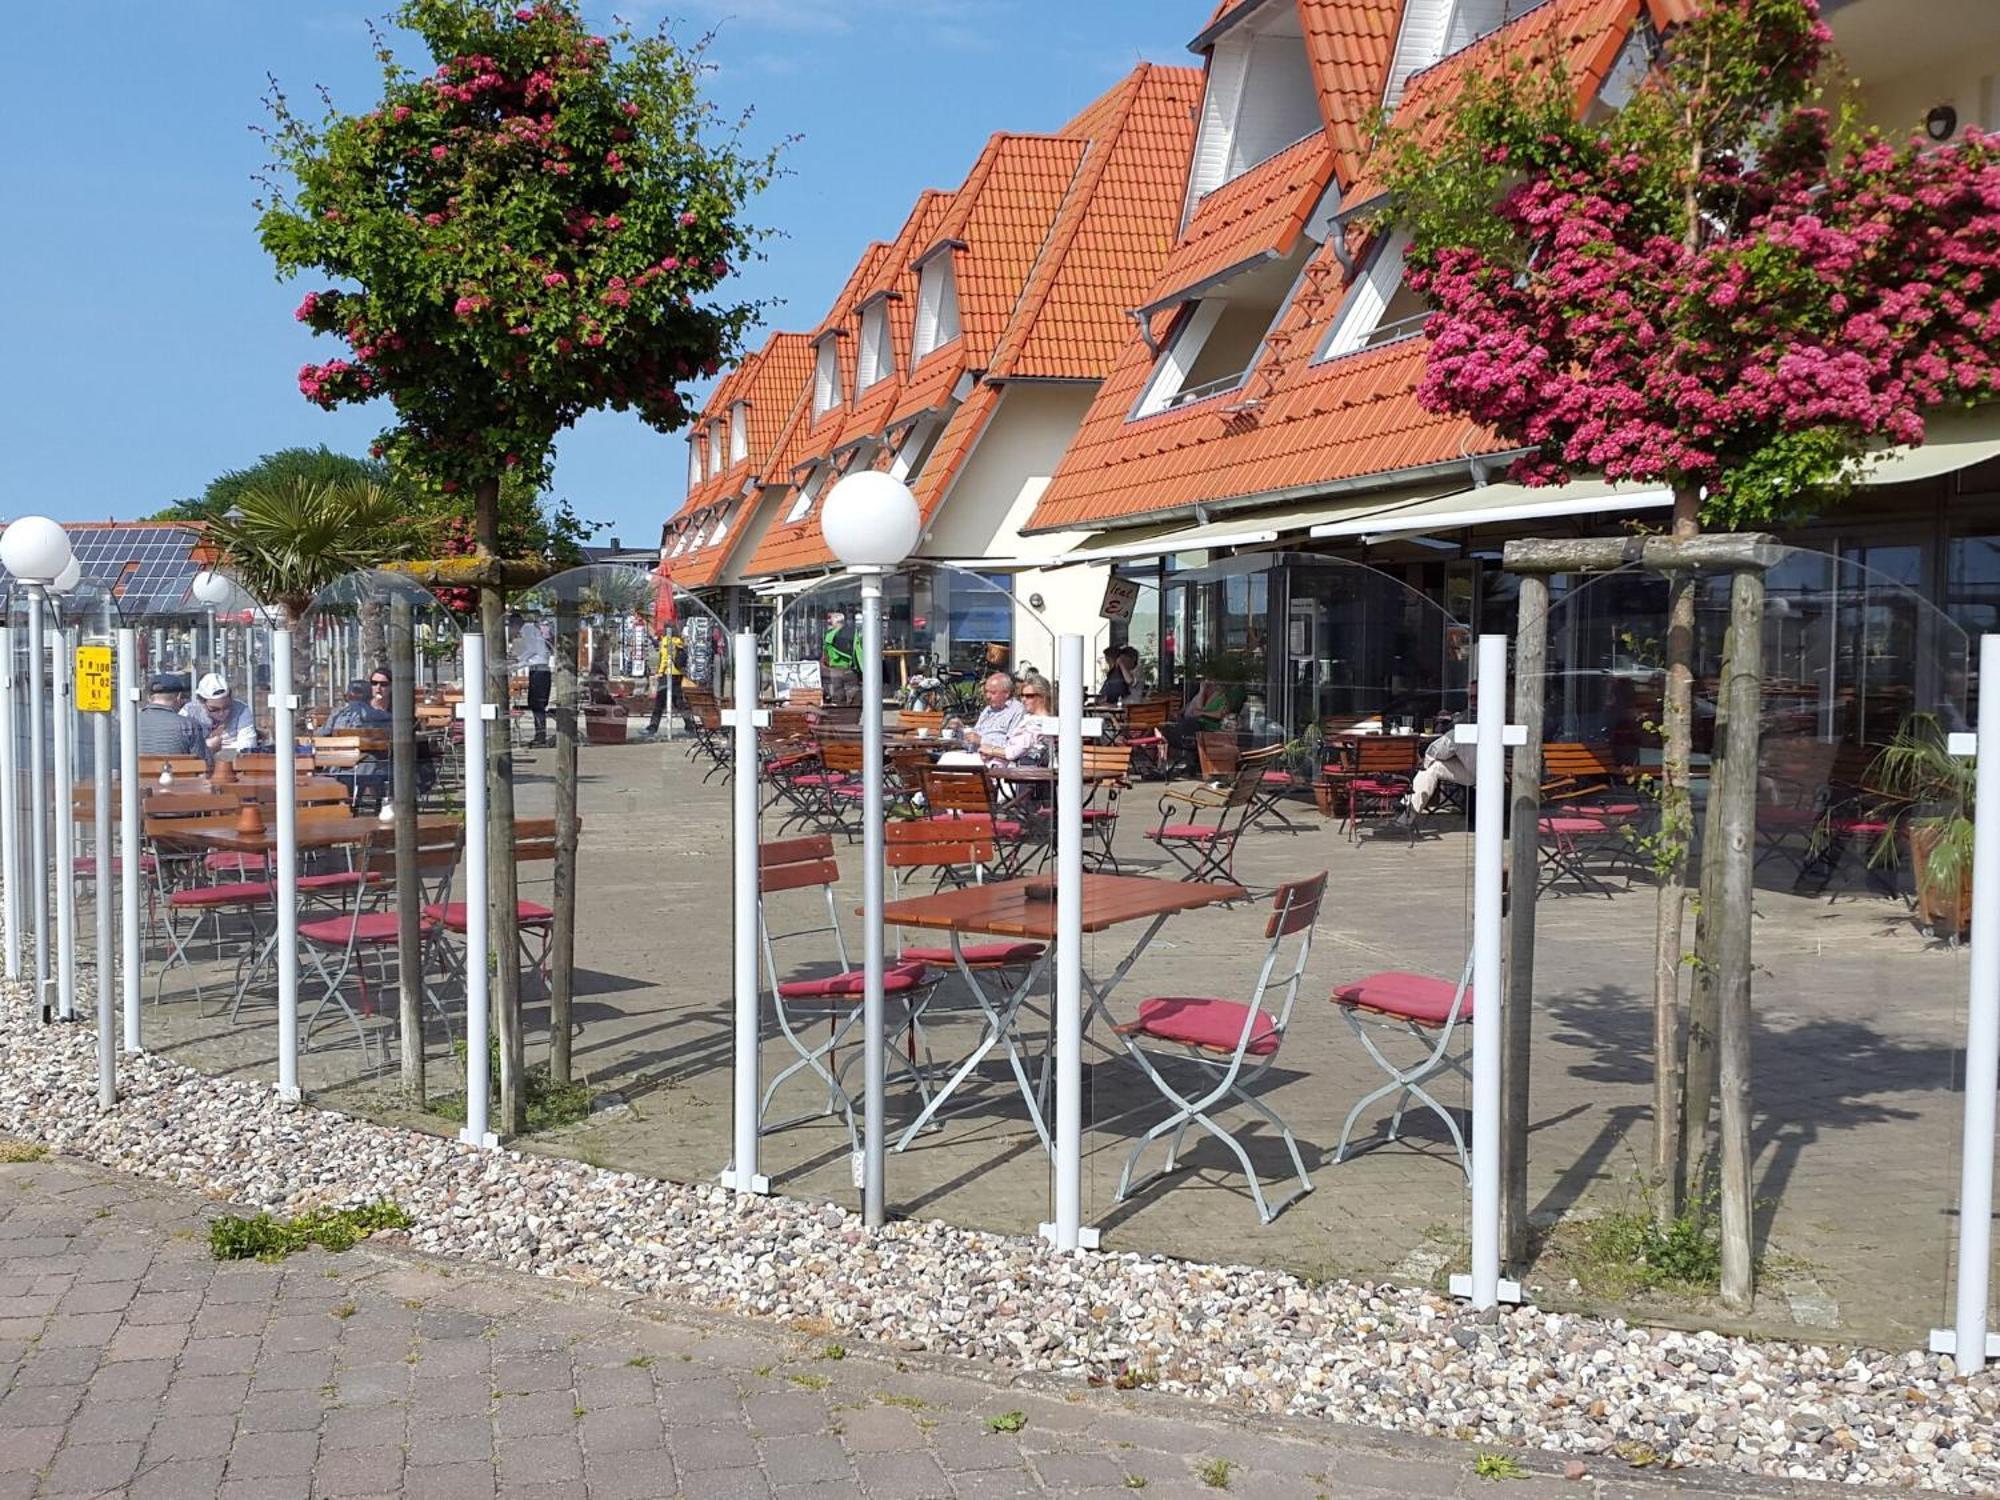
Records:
x=134, y=1364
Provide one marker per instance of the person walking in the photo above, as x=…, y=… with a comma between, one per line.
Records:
x=533, y=652
x=839, y=666
x=666, y=669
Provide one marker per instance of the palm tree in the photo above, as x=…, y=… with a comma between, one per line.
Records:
x=287, y=542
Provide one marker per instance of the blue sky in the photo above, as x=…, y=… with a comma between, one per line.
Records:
x=145, y=345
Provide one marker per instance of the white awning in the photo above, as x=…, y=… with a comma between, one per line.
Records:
x=1491, y=503
x=1952, y=441
x=784, y=588
x=1248, y=528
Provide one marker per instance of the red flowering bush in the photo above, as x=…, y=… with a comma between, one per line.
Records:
x=536, y=228
x=1704, y=289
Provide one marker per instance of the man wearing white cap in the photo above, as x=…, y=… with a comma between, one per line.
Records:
x=227, y=726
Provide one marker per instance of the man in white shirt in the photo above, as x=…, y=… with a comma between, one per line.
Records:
x=226, y=724
x=533, y=651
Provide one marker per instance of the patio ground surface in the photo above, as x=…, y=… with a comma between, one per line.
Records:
x=1858, y=1062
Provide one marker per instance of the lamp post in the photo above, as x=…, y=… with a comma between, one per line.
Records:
x=37, y=552
x=871, y=522
x=211, y=590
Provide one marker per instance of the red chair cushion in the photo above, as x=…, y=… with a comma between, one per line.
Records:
x=339, y=880
x=1420, y=998
x=244, y=893
x=1868, y=827
x=896, y=980
x=1277, y=778
x=994, y=955
x=1380, y=786
x=526, y=913
x=1573, y=825
x=222, y=859
x=1098, y=814
x=368, y=927
x=86, y=864
x=1185, y=831
x=1202, y=1022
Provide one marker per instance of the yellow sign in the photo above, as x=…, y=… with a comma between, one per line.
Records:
x=93, y=679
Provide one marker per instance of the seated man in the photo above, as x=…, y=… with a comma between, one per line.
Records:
x=163, y=729
x=225, y=722
x=999, y=733
x=367, y=707
x=1445, y=760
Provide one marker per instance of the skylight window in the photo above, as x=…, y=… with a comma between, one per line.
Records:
x=1217, y=340
x=937, y=305
x=1380, y=308
x=876, y=360
x=826, y=377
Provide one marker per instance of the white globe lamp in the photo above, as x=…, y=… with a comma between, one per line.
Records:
x=70, y=576
x=870, y=520
x=212, y=588
x=34, y=549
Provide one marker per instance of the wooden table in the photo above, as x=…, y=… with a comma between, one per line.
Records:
x=1003, y=909
x=313, y=833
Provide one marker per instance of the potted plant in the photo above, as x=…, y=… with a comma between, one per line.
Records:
x=1917, y=768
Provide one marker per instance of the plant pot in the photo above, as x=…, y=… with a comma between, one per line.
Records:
x=1943, y=910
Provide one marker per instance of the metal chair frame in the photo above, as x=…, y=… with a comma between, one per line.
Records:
x=1408, y=1082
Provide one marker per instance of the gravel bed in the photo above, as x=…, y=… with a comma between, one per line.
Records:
x=1399, y=1358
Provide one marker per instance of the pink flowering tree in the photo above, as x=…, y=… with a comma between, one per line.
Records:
x=541, y=225
x=1719, y=287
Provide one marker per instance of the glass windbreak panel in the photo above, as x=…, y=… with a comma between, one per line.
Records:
x=1286, y=755
x=1860, y=682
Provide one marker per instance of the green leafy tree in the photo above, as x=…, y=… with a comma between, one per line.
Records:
x=540, y=225
x=273, y=471
x=288, y=540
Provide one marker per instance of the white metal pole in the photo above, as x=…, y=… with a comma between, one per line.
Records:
x=874, y=1020
x=38, y=797
x=284, y=706
x=478, y=1067
x=1489, y=846
x=1069, y=945
x=130, y=878
x=1982, y=1040
x=63, y=809
x=10, y=794
x=742, y=1174
x=107, y=966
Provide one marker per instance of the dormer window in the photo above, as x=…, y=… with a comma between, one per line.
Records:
x=1260, y=98
x=694, y=461
x=1216, y=341
x=1380, y=307
x=1434, y=29
x=808, y=492
x=937, y=305
x=915, y=449
x=739, y=432
x=826, y=377
x=876, y=360
x=715, y=464
x=721, y=527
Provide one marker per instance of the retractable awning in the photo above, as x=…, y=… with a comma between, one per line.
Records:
x=1952, y=441
x=1248, y=528
x=1487, y=504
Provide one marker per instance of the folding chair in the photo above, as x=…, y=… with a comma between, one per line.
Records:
x=1100, y=813
x=1378, y=778
x=1422, y=1007
x=1207, y=851
x=534, y=843
x=1234, y=1043
x=1145, y=734
x=177, y=860
x=368, y=929
x=807, y=864
x=838, y=783
x=967, y=792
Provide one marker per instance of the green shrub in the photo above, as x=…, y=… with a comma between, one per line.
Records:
x=263, y=1237
x=549, y=1104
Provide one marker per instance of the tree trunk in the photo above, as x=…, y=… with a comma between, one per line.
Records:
x=562, y=934
x=502, y=901
x=1676, y=824
x=374, y=639
x=1728, y=900
x=1531, y=651
x=402, y=663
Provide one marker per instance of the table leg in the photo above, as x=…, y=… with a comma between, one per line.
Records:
x=1001, y=1024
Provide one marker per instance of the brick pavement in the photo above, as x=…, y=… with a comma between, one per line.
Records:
x=132, y=1364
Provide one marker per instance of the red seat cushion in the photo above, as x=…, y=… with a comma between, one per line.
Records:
x=1202, y=1022
x=1573, y=825
x=1380, y=786
x=1098, y=814
x=995, y=955
x=1607, y=809
x=1867, y=827
x=222, y=859
x=526, y=913
x=1185, y=831
x=1277, y=778
x=86, y=864
x=339, y=880
x=243, y=893
x=896, y=980
x=368, y=927
x=1410, y=997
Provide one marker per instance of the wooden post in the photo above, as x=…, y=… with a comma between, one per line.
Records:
x=1531, y=659
x=1743, y=691
x=402, y=664
x=562, y=935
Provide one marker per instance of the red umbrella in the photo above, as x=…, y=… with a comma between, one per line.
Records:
x=665, y=611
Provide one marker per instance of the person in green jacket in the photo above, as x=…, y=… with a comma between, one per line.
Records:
x=839, y=662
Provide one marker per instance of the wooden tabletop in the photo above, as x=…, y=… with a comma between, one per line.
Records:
x=313, y=833
x=1004, y=910
x=1000, y=770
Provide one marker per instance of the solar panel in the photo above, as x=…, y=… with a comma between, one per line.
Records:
x=149, y=569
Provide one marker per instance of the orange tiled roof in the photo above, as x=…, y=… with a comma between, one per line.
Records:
x=1350, y=44
x=1300, y=424
x=1259, y=213
x=768, y=383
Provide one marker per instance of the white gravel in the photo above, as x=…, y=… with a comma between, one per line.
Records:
x=1391, y=1357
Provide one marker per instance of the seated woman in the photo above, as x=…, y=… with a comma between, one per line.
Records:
x=1118, y=684
x=1205, y=710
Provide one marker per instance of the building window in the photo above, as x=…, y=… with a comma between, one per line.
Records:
x=1434, y=29
x=1260, y=97
x=1218, y=339
x=739, y=433
x=826, y=377
x=694, y=462
x=876, y=360
x=1380, y=307
x=721, y=527
x=937, y=305
x=915, y=450
x=809, y=491
x=715, y=464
